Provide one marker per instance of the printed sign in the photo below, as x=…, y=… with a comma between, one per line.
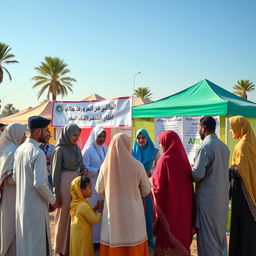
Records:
x=187, y=127
x=163, y=124
x=105, y=113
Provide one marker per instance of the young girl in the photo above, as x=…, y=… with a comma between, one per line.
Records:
x=82, y=217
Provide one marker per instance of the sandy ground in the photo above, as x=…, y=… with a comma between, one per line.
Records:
x=193, y=246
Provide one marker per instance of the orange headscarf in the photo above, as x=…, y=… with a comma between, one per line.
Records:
x=244, y=156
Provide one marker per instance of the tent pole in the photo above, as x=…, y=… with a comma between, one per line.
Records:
x=226, y=129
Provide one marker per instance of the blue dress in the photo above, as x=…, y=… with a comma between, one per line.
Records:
x=146, y=155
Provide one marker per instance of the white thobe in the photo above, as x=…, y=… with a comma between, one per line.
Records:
x=93, y=158
x=32, y=198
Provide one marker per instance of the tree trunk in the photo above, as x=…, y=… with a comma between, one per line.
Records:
x=244, y=95
x=54, y=129
x=53, y=97
x=1, y=74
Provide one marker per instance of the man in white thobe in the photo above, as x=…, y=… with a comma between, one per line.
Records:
x=211, y=174
x=32, y=193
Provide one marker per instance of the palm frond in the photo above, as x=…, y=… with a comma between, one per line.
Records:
x=6, y=58
x=42, y=90
x=39, y=78
x=67, y=84
x=65, y=71
x=7, y=73
x=11, y=61
x=39, y=83
x=66, y=78
x=238, y=93
x=4, y=50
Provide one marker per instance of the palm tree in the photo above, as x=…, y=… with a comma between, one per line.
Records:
x=143, y=92
x=5, y=58
x=52, y=78
x=242, y=87
x=8, y=110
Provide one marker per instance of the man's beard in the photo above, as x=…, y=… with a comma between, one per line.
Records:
x=42, y=139
x=202, y=136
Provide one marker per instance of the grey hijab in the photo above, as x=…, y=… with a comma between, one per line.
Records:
x=12, y=134
x=9, y=141
x=64, y=140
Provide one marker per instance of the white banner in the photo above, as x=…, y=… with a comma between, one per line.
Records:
x=106, y=113
x=187, y=127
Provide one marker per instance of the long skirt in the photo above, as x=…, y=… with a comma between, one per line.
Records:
x=7, y=220
x=149, y=212
x=243, y=226
x=62, y=215
x=138, y=250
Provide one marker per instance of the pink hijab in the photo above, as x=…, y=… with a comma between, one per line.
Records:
x=173, y=194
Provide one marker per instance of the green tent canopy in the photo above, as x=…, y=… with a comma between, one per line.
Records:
x=203, y=98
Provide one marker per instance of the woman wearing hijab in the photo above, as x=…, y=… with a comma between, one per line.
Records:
x=93, y=157
x=173, y=198
x=67, y=164
x=145, y=152
x=123, y=181
x=243, y=172
x=11, y=138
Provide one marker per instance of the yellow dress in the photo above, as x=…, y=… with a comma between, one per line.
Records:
x=81, y=229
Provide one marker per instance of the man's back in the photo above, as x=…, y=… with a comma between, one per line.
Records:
x=211, y=172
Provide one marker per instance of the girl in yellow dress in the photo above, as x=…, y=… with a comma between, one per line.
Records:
x=82, y=217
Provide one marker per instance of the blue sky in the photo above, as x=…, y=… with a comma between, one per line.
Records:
x=173, y=43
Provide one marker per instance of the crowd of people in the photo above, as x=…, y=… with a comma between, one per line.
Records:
x=124, y=200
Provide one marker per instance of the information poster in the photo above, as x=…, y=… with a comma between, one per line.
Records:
x=162, y=124
x=191, y=138
x=187, y=127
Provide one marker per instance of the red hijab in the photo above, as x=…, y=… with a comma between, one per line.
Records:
x=174, y=196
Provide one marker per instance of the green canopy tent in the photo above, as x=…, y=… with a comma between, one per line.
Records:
x=203, y=98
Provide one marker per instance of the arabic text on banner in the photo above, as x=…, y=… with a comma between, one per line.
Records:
x=106, y=113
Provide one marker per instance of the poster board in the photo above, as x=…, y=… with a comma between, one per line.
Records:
x=187, y=127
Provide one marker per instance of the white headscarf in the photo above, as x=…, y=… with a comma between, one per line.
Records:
x=9, y=141
x=123, y=181
x=96, y=131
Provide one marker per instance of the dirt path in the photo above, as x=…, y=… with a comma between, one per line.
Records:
x=193, y=246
